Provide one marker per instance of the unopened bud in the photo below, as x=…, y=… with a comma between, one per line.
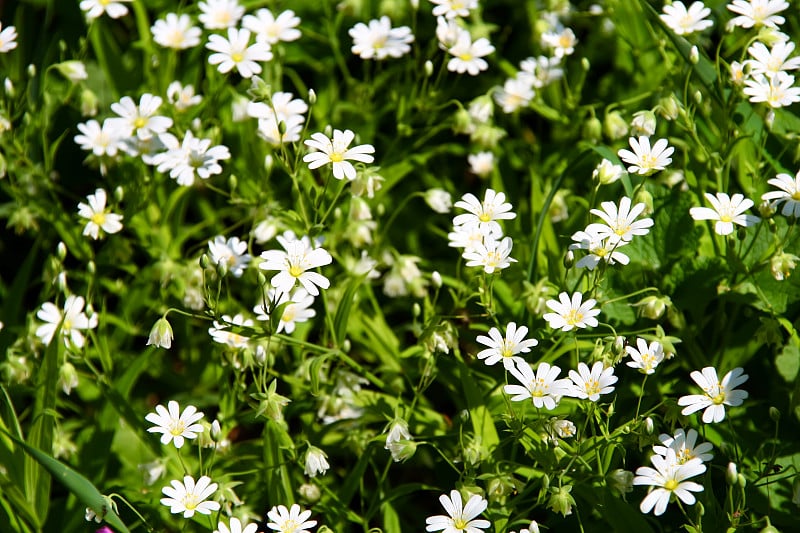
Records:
x=614, y=126
x=592, y=129
x=61, y=250
x=91, y=267
x=9, y=87
x=416, y=310
x=119, y=193
x=585, y=65
x=698, y=97
x=161, y=334
x=569, y=259
x=648, y=425
x=312, y=97
x=774, y=414
x=205, y=262
x=643, y=123
x=428, y=68
x=731, y=474
x=769, y=120
x=694, y=55
x=436, y=279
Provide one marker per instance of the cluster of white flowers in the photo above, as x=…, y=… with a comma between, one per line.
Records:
x=765, y=74
x=602, y=241
x=534, y=74
x=378, y=40
x=281, y=119
x=479, y=233
x=467, y=53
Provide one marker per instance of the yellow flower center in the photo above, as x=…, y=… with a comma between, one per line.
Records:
x=295, y=271
x=336, y=157
x=564, y=41
x=718, y=399
x=460, y=524
x=796, y=196
x=684, y=456
x=289, y=313
x=289, y=526
x=237, y=57
x=190, y=502
x=140, y=122
x=105, y=2
x=592, y=387
x=573, y=317
x=178, y=428
x=67, y=325
x=98, y=218
x=671, y=485
x=484, y=217
x=175, y=38
x=466, y=56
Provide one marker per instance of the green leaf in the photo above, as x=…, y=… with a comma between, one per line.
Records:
x=788, y=362
x=341, y=319
x=479, y=414
x=81, y=487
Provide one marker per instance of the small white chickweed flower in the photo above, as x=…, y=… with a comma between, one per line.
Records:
x=174, y=425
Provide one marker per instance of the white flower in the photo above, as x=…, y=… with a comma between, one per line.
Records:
x=8, y=38
x=439, y=200
x=316, y=462
x=727, y=211
x=490, y=254
x=161, y=334
x=532, y=528
x=379, y=40
x=643, y=123
x=542, y=388
x=72, y=321
x=481, y=164
x=515, y=93
x=737, y=72
x=716, y=394
x=771, y=61
x=505, y=349
x=541, y=71
x=560, y=429
x=176, y=32
x=758, y=13
x=291, y=520
x=461, y=518
x=686, y=21
x=467, y=55
x=190, y=497
x=601, y=247
x=668, y=478
x=683, y=444
x=607, y=172
x=297, y=308
x=220, y=14
x=397, y=439
x=561, y=40
x=620, y=221
x=235, y=52
x=140, y=120
x=471, y=235
x=486, y=213
x=182, y=97
x=174, y=425
x=95, y=8
x=231, y=252
x=451, y=9
x=646, y=358
x=295, y=264
x=571, y=313
x=98, y=218
x=789, y=193
x=105, y=140
x=236, y=527
x=447, y=32
x=336, y=152
x=221, y=333
x=272, y=30
x=191, y=158
x=590, y=384
x=645, y=160
x=777, y=91
x=282, y=106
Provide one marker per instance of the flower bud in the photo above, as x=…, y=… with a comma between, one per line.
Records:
x=316, y=462
x=620, y=481
x=694, y=55
x=9, y=87
x=774, y=414
x=607, y=172
x=669, y=107
x=312, y=97
x=161, y=334
x=205, y=261
x=653, y=307
x=648, y=425
x=569, y=259
x=766, y=209
x=643, y=123
x=782, y=265
x=592, y=129
x=428, y=68
x=73, y=70
x=436, y=279
x=769, y=119
x=61, y=250
x=439, y=200
x=309, y=492
x=731, y=474
x=216, y=430
x=67, y=377
x=561, y=501
x=614, y=126
x=89, y=103
x=698, y=97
